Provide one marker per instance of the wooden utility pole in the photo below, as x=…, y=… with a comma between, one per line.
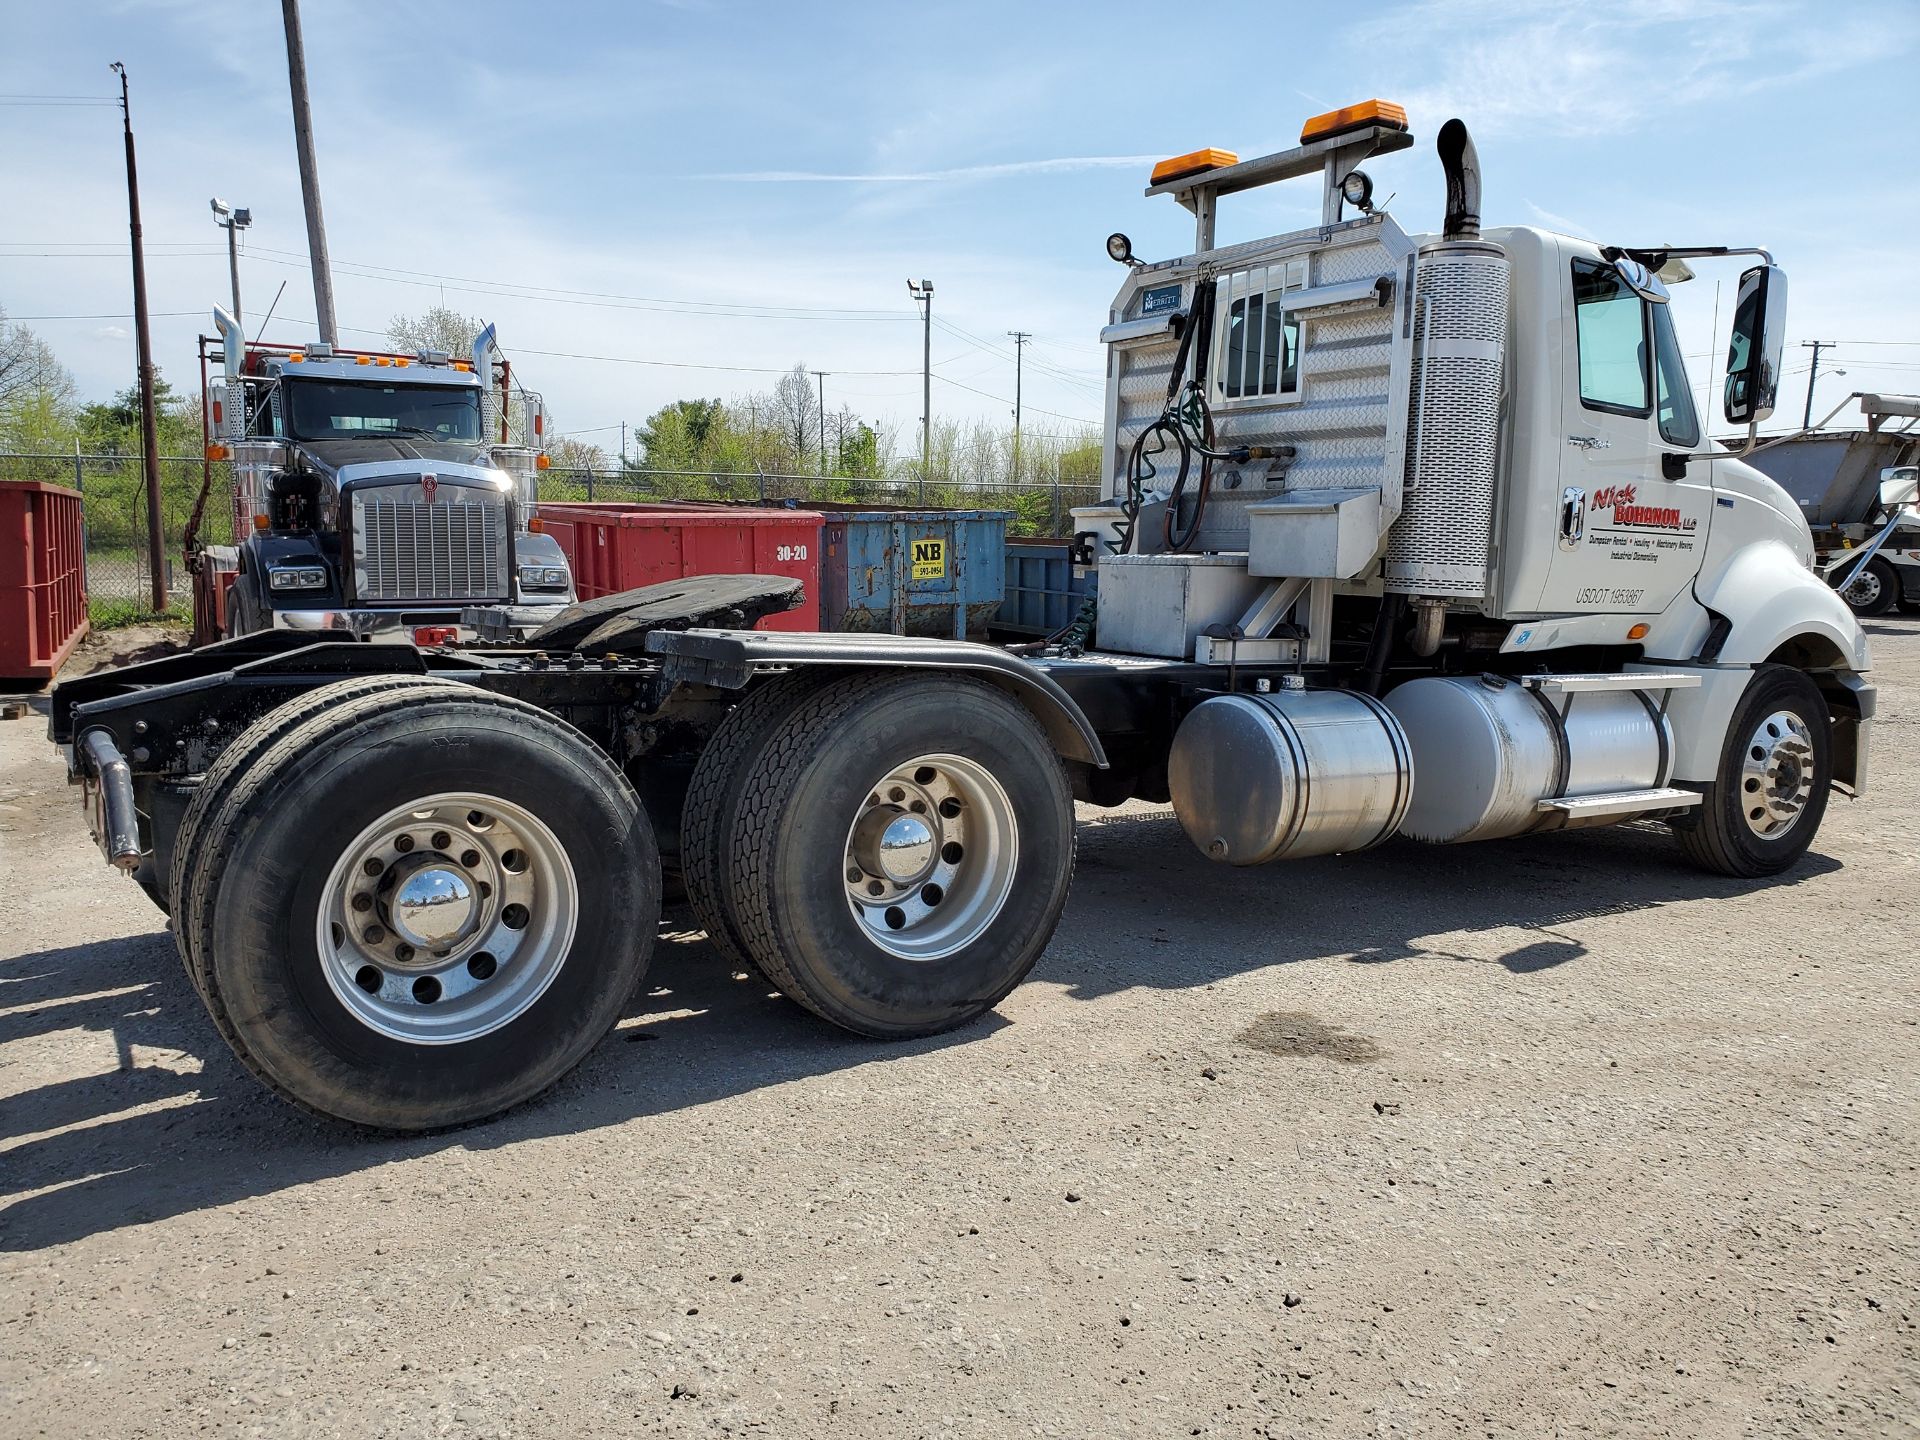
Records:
x=1813, y=375
x=309, y=175
x=149, y=422
x=922, y=291
x=1020, y=339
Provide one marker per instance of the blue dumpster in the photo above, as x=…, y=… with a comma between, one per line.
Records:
x=911, y=572
x=1042, y=593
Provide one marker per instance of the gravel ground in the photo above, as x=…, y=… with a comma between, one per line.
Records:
x=1537, y=1137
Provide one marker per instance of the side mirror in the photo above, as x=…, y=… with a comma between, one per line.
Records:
x=1899, y=486
x=1754, y=352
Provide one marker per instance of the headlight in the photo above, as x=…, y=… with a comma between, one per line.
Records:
x=298, y=577
x=542, y=577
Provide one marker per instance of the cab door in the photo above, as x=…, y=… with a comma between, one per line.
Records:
x=1636, y=491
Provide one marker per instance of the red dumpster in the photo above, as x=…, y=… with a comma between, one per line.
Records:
x=43, y=597
x=617, y=547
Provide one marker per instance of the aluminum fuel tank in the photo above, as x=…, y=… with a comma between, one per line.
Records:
x=1488, y=749
x=1289, y=773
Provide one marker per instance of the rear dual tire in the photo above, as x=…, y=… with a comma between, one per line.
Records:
x=901, y=850
x=457, y=797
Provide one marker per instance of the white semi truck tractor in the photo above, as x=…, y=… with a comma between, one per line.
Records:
x=1405, y=535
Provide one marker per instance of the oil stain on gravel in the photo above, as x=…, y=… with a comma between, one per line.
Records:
x=1297, y=1035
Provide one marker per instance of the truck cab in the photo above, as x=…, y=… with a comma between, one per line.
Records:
x=378, y=495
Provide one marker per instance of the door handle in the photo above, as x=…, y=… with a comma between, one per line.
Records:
x=1573, y=516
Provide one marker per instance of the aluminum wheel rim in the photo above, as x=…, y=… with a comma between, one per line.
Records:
x=930, y=857
x=1777, y=775
x=1865, y=589
x=447, y=918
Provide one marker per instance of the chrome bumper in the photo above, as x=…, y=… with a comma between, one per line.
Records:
x=398, y=625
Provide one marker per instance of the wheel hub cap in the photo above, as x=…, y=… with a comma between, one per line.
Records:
x=930, y=856
x=1777, y=774
x=447, y=918
x=897, y=847
x=434, y=906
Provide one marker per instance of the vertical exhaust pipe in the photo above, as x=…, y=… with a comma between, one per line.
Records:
x=1462, y=165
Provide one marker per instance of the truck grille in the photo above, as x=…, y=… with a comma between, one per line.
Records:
x=407, y=549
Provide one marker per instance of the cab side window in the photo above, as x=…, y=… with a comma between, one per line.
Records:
x=1610, y=323
x=1679, y=422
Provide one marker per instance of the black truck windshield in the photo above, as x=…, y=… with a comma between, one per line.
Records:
x=337, y=410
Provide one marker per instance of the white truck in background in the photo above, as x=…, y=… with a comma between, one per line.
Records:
x=1857, y=490
x=1405, y=534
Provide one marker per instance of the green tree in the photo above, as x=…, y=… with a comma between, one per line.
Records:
x=437, y=328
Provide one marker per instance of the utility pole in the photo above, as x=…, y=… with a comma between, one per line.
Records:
x=820, y=376
x=309, y=174
x=1020, y=339
x=1806, y=419
x=922, y=291
x=149, y=425
x=232, y=221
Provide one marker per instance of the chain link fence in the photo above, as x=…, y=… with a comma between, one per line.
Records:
x=1037, y=507
x=119, y=568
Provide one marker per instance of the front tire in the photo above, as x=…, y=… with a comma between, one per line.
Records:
x=1770, y=793
x=904, y=848
x=246, y=612
x=424, y=909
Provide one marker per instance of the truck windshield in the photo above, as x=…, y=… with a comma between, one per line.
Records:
x=338, y=410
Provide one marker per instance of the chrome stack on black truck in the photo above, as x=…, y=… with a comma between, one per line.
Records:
x=1404, y=535
x=374, y=495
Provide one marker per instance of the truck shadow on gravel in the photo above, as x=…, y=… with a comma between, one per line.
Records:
x=177, y=1126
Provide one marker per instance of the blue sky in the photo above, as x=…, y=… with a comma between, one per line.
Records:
x=749, y=185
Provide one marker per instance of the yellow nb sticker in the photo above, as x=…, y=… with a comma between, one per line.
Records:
x=929, y=559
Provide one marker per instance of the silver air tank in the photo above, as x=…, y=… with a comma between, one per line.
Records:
x=1292, y=773
x=1439, y=545
x=1490, y=749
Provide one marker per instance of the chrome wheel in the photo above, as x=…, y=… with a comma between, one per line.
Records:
x=1864, y=592
x=447, y=918
x=930, y=857
x=1777, y=774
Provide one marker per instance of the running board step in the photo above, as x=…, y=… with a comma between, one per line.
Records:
x=1577, y=808
x=1624, y=680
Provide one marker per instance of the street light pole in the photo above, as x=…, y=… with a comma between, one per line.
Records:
x=149, y=424
x=922, y=292
x=232, y=221
x=821, y=377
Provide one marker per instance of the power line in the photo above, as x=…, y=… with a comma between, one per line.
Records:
x=1070, y=419
x=514, y=289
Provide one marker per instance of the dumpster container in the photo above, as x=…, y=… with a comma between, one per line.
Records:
x=911, y=572
x=43, y=595
x=615, y=547
x=1043, y=594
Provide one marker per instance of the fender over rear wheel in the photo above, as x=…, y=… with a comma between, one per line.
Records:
x=423, y=909
x=904, y=849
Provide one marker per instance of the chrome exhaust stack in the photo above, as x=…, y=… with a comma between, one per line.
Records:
x=1462, y=164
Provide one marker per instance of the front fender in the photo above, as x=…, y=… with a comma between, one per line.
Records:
x=1769, y=599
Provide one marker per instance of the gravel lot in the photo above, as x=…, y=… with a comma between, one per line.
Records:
x=1535, y=1137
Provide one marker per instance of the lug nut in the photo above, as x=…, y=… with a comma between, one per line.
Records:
x=363, y=903
x=373, y=867
x=403, y=844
